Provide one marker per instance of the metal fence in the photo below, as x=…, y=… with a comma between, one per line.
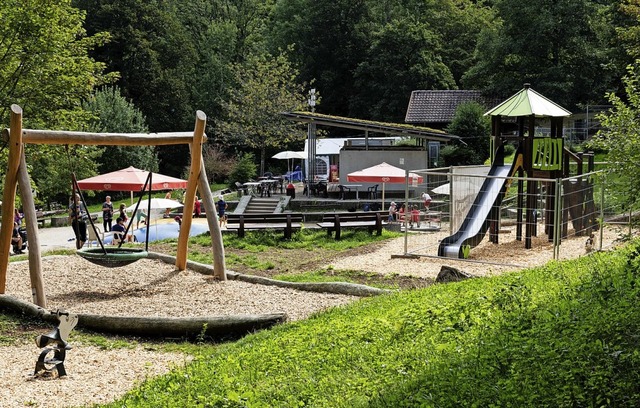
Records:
x=483, y=218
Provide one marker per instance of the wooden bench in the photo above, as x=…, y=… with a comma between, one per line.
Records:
x=278, y=221
x=372, y=220
x=40, y=218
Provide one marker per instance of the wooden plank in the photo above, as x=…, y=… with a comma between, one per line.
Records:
x=269, y=225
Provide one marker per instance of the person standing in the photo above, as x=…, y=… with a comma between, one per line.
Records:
x=168, y=210
x=392, y=212
x=107, y=214
x=123, y=213
x=78, y=216
x=140, y=214
x=197, y=208
x=222, y=207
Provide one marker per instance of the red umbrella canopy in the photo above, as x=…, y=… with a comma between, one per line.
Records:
x=130, y=179
x=381, y=173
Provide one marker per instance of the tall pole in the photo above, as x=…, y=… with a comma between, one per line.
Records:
x=311, y=164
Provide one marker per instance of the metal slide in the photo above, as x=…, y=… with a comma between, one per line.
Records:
x=475, y=224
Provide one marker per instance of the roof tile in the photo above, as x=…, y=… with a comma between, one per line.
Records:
x=439, y=106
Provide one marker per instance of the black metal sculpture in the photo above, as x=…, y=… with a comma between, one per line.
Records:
x=55, y=342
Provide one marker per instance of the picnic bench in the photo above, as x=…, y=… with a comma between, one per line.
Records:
x=286, y=222
x=372, y=220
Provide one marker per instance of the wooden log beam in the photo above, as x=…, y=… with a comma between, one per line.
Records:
x=190, y=194
x=32, y=136
x=9, y=194
x=216, y=326
x=35, y=260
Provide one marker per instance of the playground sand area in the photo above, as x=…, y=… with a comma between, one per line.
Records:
x=153, y=288
x=486, y=259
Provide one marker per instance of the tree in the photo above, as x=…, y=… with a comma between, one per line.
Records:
x=548, y=44
x=620, y=137
x=155, y=55
x=45, y=64
x=46, y=70
x=266, y=87
x=114, y=114
x=404, y=56
x=474, y=128
x=329, y=39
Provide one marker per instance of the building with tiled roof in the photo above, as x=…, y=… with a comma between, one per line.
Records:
x=435, y=108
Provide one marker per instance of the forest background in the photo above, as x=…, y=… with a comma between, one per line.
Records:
x=147, y=66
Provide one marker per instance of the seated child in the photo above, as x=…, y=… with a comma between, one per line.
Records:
x=119, y=230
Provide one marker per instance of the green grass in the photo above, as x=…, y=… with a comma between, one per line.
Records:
x=258, y=243
x=563, y=335
x=343, y=275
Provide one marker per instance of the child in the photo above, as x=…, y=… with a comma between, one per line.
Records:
x=415, y=216
x=392, y=212
x=589, y=245
x=222, y=207
x=426, y=198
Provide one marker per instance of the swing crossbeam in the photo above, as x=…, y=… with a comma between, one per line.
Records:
x=61, y=137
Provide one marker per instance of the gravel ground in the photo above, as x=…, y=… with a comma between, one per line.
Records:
x=145, y=288
x=153, y=288
x=485, y=260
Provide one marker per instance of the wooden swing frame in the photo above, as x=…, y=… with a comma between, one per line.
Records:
x=17, y=174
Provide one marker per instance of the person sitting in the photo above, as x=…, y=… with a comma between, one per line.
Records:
x=16, y=239
x=119, y=230
x=589, y=246
x=17, y=216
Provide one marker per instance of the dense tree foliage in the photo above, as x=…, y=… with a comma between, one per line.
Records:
x=156, y=57
x=364, y=57
x=558, y=47
x=114, y=114
x=330, y=40
x=405, y=53
x=47, y=71
x=45, y=67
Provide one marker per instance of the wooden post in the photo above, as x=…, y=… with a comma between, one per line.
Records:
x=190, y=194
x=35, y=260
x=219, y=265
x=9, y=194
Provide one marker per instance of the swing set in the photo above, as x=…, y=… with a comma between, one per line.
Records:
x=17, y=175
x=112, y=257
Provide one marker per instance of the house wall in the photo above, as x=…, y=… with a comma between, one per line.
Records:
x=354, y=160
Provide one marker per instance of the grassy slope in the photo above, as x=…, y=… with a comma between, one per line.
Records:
x=563, y=335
